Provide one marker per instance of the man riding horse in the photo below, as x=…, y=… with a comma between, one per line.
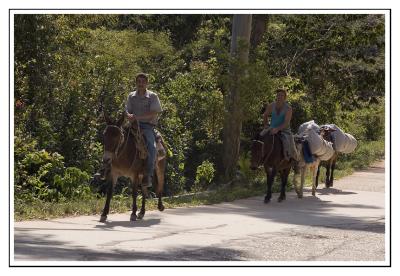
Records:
x=143, y=106
x=125, y=152
x=281, y=114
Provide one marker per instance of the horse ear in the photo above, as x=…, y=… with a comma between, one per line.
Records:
x=121, y=119
x=257, y=135
x=107, y=118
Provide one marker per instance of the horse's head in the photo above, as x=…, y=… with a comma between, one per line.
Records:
x=256, y=152
x=325, y=132
x=261, y=148
x=113, y=138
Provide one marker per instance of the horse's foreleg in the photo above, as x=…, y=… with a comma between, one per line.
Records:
x=317, y=177
x=315, y=169
x=106, y=209
x=270, y=180
x=284, y=179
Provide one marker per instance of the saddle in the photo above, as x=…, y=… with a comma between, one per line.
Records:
x=140, y=142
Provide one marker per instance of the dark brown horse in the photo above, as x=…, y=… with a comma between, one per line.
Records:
x=326, y=133
x=121, y=158
x=267, y=150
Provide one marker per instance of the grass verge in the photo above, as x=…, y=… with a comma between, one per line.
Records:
x=363, y=157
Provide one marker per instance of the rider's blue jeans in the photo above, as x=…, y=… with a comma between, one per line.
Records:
x=148, y=132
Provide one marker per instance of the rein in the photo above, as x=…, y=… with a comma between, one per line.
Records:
x=120, y=142
x=266, y=156
x=123, y=142
x=137, y=135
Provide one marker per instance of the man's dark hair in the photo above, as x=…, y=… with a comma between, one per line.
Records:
x=142, y=75
x=281, y=90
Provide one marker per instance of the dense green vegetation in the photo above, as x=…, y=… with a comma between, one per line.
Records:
x=249, y=183
x=71, y=68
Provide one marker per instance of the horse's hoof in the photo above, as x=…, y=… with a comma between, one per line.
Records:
x=267, y=200
x=299, y=196
x=161, y=208
x=280, y=199
x=133, y=217
x=103, y=218
x=313, y=193
x=140, y=215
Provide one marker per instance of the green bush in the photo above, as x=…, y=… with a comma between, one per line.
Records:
x=365, y=154
x=204, y=175
x=42, y=175
x=73, y=184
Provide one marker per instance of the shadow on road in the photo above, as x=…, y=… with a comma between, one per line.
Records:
x=42, y=248
x=308, y=211
x=128, y=224
x=331, y=191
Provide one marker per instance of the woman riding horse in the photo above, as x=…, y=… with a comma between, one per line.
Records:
x=272, y=150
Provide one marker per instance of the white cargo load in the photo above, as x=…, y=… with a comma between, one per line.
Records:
x=311, y=124
x=343, y=142
x=318, y=146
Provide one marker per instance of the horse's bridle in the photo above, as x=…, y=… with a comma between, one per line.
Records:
x=120, y=142
x=266, y=156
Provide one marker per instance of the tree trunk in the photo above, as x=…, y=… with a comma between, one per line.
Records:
x=259, y=26
x=241, y=29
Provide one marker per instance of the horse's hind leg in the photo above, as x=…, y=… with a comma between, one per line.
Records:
x=160, y=170
x=284, y=178
x=332, y=169
x=143, y=208
x=134, y=198
x=299, y=190
x=328, y=170
x=144, y=195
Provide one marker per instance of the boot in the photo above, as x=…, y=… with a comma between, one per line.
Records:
x=147, y=181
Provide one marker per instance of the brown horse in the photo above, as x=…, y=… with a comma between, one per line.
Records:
x=267, y=150
x=326, y=133
x=121, y=158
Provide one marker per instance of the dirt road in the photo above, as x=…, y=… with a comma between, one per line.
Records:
x=344, y=223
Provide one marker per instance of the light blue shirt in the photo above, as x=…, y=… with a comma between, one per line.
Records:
x=278, y=119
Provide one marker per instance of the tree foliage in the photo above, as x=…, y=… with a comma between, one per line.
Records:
x=68, y=69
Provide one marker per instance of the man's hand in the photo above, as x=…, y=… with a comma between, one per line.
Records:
x=274, y=131
x=131, y=117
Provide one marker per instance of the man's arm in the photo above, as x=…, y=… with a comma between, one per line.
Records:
x=129, y=115
x=148, y=116
x=266, y=114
